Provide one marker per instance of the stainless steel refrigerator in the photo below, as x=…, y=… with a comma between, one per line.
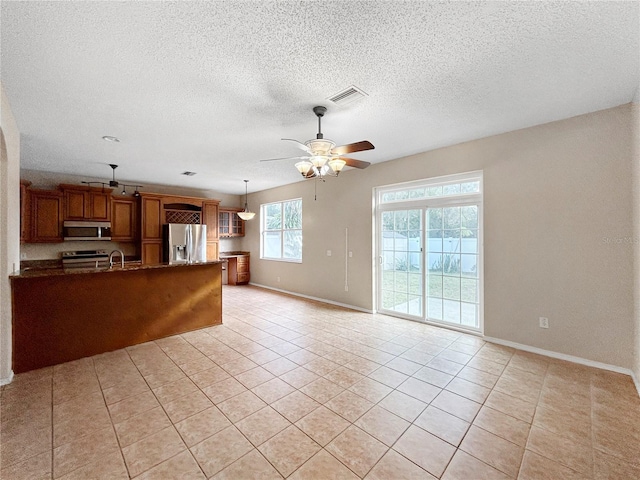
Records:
x=185, y=243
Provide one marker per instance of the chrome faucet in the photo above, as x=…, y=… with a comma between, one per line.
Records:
x=121, y=258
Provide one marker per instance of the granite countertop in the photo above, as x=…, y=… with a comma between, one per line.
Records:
x=56, y=271
x=234, y=254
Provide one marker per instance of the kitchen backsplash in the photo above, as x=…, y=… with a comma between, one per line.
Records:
x=50, y=251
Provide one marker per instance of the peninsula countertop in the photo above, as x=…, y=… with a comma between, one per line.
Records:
x=33, y=272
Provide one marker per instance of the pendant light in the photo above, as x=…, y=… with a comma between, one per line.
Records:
x=246, y=214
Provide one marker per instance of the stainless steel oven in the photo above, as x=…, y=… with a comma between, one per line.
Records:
x=85, y=259
x=79, y=230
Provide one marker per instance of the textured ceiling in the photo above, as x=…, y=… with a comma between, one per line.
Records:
x=211, y=87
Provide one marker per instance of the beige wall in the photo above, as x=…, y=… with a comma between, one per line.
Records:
x=49, y=180
x=557, y=208
x=9, y=226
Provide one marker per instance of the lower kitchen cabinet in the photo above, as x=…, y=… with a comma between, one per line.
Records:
x=238, y=270
x=151, y=253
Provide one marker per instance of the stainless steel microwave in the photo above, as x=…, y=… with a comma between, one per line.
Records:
x=73, y=230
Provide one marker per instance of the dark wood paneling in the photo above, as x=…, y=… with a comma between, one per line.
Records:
x=83, y=314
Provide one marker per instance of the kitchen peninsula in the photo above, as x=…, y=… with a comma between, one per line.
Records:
x=61, y=315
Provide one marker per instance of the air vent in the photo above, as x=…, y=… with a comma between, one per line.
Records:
x=189, y=174
x=347, y=95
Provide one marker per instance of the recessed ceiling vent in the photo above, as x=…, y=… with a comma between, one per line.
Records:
x=189, y=174
x=347, y=95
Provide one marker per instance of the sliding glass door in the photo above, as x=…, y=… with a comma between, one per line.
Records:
x=429, y=251
x=402, y=262
x=452, y=273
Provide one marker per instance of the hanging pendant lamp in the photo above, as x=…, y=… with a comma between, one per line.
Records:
x=246, y=214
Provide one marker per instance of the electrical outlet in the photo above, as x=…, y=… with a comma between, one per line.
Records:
x=346, y=288
x=328, y=253
x=350, y=254
x=278, y=279
x=544, y=322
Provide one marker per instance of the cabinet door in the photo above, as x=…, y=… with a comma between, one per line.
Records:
x=237, y=225
x=151, y=253
x=123, y=219
x=99, y=206
x=46, y=214
x=210, y=219
x=243, y=264
x=212, y=251
x=75, y=205
x=224, y=224
x=151, y=218
x=25, y=211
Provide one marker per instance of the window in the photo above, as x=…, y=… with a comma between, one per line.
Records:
x=447, y=189
x=281, y=231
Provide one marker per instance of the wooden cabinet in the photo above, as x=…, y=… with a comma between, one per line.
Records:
x=124, y=219
x=238, y=270
x=46, y=216
x=229, y=223
x=152, y=218
x=25, y=211
x=86, y=203
x=151, y=253
x=210, y=219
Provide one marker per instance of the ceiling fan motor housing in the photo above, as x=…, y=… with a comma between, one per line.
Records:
x=320, y=146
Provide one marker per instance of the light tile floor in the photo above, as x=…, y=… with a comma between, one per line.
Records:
x=292, y=388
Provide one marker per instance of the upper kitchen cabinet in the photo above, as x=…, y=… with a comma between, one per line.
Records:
x=210, y=219
x=124, y=219
x=25, y=211
x=152, y=218
x=86, y=203
x=229, y=223
x=46, y=216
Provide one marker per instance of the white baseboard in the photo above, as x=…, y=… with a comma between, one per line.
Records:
x=568, y=358
x=323, y=300
x=8, y=380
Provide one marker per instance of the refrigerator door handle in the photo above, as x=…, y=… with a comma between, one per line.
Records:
x=189, y=244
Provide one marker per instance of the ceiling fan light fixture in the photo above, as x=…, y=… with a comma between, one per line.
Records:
x=304, y=167
x=246, y=214
x=337, y=164
x=319, y=161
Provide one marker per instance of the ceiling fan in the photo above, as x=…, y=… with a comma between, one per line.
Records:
x=323, y=157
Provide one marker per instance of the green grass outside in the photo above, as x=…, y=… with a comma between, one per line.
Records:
x=396, y=284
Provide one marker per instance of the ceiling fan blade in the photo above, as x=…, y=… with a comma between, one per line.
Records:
x=298, y=144
x=353, y=147
x=284, y=158
x=352, y=162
